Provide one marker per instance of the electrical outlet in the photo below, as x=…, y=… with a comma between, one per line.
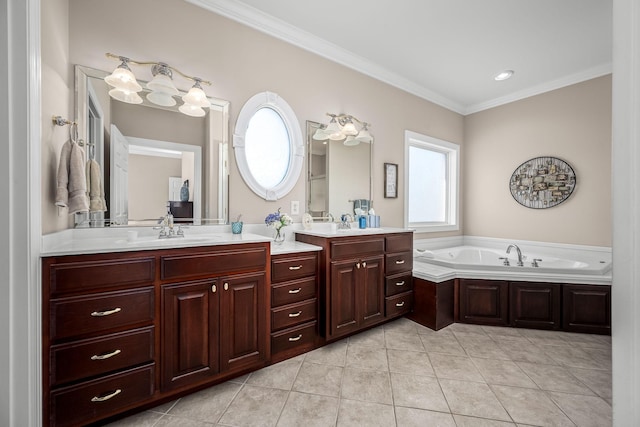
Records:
x=295, y=207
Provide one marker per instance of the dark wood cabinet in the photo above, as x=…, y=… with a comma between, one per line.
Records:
x=354, y=276
x=433, y=304
x=189, y=332
x=484, y=302
x=535, y=305
x=587, y=308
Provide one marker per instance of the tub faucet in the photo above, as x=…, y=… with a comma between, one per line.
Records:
x=520, y=263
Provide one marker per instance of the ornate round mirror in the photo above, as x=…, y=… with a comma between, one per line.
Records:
x=268, y=146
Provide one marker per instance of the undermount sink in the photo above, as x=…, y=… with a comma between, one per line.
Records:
x=155, y=240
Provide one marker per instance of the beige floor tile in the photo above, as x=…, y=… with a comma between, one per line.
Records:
x=554, y=378
x=572, y=356
x=474, y=399
x=455, y=367
x=526, y=353
x=170, y=421
x=409, y=362
x=255, y=406
x=309, y=410
x=369, y=386
x=240, y=380
x=533, y=407
x=374, y=359
x=584, y=411
x=503, y=372
x=485, y=350
x=401, y=325
x=501, y=331
x=403, y=341
x=510, y=340
x=143, y=419
x=334, y=354
x=411, y=417
x=164, y=408
x=464, y=327
x=442, y=343
x=372, y=338
x=319, y=379
x=464, y=421
x=206, y=405
x=281, y=375
x=597, y=380
x=414, y=391
x=358, y=414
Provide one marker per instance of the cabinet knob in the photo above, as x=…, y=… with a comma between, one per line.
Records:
x=400, y=283
x=106, y=312
x=214, y=288
x=106, y=355
x=357, y=265
x=400, y=304
x=295, y=338
x=295, y=267
x=400, y=261
x=364, y=264
x=295, y=314
x=294, y=291
x=107, y=397
x=226, y=286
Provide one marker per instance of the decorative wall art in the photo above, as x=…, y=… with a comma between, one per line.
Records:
x=390, y=180
x=542, y=182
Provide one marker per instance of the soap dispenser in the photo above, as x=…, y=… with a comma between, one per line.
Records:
x=169, y=217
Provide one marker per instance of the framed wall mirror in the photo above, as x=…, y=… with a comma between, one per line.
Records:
x=339, y=176
x=147, y=152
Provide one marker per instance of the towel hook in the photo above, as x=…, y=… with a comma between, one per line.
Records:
x=73, y=128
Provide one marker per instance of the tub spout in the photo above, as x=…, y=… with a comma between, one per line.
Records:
x=520, y=263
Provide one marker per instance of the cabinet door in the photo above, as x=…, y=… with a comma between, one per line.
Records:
x=189, y=332
x=484, y=302
x=243, y=321
x=372, y=302
x=342, y=308
x=534, y=305
x=587, y=308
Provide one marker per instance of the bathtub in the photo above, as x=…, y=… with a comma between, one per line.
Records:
x=488, y=259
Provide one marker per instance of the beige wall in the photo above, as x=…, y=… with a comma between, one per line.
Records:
x=149, y=185
x=242, y=62
x=572, y=123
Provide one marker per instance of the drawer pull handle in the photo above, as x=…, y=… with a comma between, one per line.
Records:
x=400, y=261
x=107, y=397
x=400, y=304
x=105, y=356
x=295, y=338
x=295, y=314
x=293, y=268
x=106, y=313
x=400, y=283
x=294, y=291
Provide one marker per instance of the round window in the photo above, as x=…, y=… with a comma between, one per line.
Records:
x=268, y=146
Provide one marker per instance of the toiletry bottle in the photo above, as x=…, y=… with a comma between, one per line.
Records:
x=362, y=221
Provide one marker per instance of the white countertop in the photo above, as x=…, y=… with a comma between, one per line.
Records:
x=325, y=230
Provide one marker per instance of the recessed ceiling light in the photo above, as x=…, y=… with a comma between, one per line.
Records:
x=504, y=75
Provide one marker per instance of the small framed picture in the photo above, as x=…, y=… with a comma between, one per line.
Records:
x=390, y=180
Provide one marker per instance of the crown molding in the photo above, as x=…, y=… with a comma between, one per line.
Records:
x=277, y=28
x=569, y=80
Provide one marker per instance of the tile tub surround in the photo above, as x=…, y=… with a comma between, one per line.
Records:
x=427, y=378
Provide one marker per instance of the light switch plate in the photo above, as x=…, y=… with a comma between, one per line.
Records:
x=295, y=207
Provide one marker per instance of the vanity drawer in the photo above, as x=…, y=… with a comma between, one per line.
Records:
x=398, y=263
x=356, y=248
x=399, y=243
x=100, y=312
x=293, y=314
x=83, y=276
x=90, y=401
x=300, y=336
x=294, y=291
x=398, y=304
x=210, y=264
x=293, y=268
x=88, y=358
x=398, y=284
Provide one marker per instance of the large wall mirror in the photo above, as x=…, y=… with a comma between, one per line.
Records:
x=338, y=176
x=147, y=152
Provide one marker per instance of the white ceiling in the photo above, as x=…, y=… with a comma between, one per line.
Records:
x=446, y=51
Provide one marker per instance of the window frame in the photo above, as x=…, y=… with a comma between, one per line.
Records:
x=452, y=208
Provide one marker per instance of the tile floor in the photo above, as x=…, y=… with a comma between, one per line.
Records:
x=403, y=374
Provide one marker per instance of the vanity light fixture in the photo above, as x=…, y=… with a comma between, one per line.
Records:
x=342, y=127
x=161, y=87
x=503, y=75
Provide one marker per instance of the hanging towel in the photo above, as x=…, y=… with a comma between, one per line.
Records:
x=95, y=189
x=72, y=183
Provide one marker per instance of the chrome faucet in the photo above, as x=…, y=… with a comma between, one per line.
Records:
x=166, y=228
x=520, y=263
x=345, y=223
